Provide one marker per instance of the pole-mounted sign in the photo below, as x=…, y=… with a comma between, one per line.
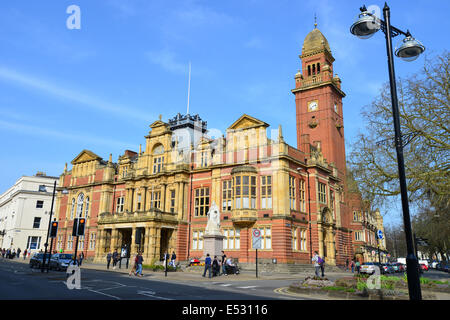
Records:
x=380, y=234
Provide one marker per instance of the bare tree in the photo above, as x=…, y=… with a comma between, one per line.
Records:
x=424, y=116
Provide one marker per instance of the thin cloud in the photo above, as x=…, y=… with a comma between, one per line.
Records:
x=54, y=134
x=167, y=60
x=58, y=91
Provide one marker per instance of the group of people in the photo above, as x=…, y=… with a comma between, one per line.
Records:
x=11, y=254
x=353, y=265
x=218, y=268
x=116, y=258
x=319, y=264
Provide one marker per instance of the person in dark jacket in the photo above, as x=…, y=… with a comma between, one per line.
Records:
x=115, y=258
x=224, y=259
x=108, y=259
x=207, y=265
x=215, y=267
x=172, y=259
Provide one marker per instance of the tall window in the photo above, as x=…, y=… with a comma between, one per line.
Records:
x=232, y=239
x=227, y=193
x=92, y=239
x=39, y=204
x=303, y=241
x=33, y=242
x=244, y=192
x=172, y=201
x=266, y=237
x=155, y=200
x=158, y=159
x=302, y=195
x=357, y=216
x=119, y=204
x=70, y=242
x=201, y=201
x=139, y=202
x=86, y=210
x=292, y=192
x=204, y=159
x=80, y=242
x=322, y=193
x=80, y=201
x=332, y=202
x=266, y=192
x=72, y=210
x=59, y=245
x=36, y=223
x=294, y=239
x=197, y=240
x=358, y=236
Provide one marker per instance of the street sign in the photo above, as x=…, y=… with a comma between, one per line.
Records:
x=380, y=234
x=256, y=239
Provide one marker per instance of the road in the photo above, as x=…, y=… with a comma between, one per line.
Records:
x=18, y=281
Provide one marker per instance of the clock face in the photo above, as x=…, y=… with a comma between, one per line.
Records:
x=313, y=105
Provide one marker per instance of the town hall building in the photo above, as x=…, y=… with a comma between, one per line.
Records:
x=156, y=200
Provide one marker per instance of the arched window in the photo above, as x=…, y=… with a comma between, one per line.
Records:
x=72, y=211
x=86, y=210
x=318, y=68
x=158, y=158
x=314, y=69
x=309, y=70
x=80, y=200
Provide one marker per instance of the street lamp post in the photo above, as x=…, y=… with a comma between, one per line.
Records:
x=367, y=25
x=48, y=230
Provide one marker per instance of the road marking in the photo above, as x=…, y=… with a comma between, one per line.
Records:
x=151, y=294
x=226, y=285
x=105, y=294
x=247, y=287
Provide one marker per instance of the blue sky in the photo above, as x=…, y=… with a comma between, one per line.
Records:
x=100, y=87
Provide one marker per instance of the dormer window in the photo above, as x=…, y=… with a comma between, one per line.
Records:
x=158, y=159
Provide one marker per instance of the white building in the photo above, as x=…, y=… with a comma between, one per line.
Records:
x=25, y=212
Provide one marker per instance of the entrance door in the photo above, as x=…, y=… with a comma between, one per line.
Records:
x=164, y=244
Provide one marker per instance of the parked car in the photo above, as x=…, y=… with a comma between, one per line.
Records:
x=394, y=267
x=387, y=268
x=399, y=267
x=37, y=260
x=60, y=261
x=369, y=267
x=423, y=267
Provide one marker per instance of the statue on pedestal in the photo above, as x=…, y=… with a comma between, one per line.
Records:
x=213, y=238
x=213, y=226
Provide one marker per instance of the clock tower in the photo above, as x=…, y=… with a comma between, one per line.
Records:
x=318, y=98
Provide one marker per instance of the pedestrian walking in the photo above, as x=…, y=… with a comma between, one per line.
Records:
x=322, y=266
x=224, y=259
x=13, y=254
x=139, y=261
x=315, y=259
x=108, y=259
x=80, y=258
x=347, y=266
x=215, y=267
x=115, y=258
x=352, y=265
x=172, y=259
x=133, y=268
x=358, y=265
x=18, y=253
x=207, y=265
x=25, y=254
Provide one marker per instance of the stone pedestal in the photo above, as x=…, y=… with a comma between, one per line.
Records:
x=212, y=244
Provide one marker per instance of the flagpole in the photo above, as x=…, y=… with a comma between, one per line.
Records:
x=189, y=88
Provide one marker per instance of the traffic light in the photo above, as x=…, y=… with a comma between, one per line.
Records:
x=54, y=229
x=81, y=224
x=78, y=226
x=75, y=227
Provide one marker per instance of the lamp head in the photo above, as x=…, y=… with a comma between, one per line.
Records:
x=410, y=48
x=366, y=25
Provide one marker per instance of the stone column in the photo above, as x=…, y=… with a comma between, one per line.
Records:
x=152, y=243
x=133, y=248
x=179, y=195
x=99, y=249
x=146, y=245
x=163, y=197
x=157, y=246
x=114, y=236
